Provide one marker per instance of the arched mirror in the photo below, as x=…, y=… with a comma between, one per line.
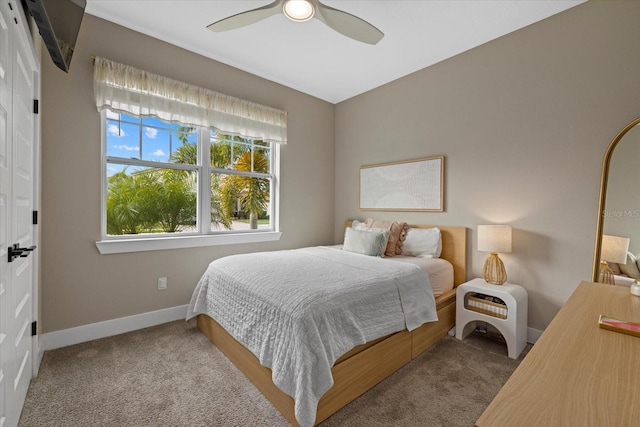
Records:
x=619, y=208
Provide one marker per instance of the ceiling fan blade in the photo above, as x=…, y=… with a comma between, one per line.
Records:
x=249, y=17
x=348, y=24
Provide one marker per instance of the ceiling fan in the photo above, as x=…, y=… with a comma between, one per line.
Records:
x=301, y=11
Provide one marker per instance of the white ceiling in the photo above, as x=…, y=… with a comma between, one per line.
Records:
x=312, y=58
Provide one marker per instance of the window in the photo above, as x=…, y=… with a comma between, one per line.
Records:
x=158, y=185
x=183, y=166
x=241, y=183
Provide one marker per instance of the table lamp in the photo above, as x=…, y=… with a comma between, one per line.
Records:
x=614, y=249
x=494, y=239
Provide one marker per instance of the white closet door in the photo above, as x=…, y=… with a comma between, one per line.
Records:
x=22, y=218
x=5, y=211
x=18, y=71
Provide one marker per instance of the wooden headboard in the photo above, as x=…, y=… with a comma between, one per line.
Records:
x=454, y=248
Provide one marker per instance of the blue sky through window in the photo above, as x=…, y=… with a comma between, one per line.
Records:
x=145, y=138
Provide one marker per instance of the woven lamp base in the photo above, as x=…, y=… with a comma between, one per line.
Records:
x=493, y=270
x=606, y=274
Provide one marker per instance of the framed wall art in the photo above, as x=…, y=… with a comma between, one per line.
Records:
x=412, y=185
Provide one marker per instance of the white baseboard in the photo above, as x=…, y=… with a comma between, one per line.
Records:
x=80, y=334
x=38, y=353
x=533, y=335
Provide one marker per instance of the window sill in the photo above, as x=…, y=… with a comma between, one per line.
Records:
x=119, y=246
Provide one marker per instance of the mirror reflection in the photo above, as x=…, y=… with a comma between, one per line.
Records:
x=620, y=209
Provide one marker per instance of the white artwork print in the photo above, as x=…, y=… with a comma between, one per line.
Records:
x=413, y=185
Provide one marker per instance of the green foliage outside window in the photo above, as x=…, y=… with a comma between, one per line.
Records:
x=252, y=193
x=152, y=200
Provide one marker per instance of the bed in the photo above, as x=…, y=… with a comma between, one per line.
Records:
x=366, y=364
x=625, y=274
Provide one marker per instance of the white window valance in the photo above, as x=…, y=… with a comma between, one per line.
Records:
x=125, y=89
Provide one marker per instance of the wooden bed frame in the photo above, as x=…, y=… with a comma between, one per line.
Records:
x=366, y=365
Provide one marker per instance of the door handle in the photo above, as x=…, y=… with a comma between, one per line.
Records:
x=16, y=251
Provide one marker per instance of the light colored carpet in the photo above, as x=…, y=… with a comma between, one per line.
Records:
x=170, y=375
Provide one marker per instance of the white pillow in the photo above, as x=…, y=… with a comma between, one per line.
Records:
x=372, y=242
x=358, y=225
x=630, y=268
x=422, y=242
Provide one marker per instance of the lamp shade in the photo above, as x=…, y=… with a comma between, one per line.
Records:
x=614, y=249
x=494, y=238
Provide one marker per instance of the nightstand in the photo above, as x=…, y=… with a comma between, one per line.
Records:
x=502, y=306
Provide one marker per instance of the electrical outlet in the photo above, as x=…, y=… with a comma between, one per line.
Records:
x=162, y=283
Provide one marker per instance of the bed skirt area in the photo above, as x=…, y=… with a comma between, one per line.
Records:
x=353, y=374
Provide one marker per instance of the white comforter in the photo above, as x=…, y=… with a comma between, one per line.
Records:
x=299, y=310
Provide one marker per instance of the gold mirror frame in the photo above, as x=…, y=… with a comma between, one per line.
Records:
x=603, y=195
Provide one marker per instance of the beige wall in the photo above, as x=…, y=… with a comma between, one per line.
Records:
x=523, y=123
x=80, y=286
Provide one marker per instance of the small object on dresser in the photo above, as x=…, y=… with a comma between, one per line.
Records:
x=623, y=326
x=635, y=289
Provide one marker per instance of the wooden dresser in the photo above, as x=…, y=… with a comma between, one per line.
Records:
x=577, y=374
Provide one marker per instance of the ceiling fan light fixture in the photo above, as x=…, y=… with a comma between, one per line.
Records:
x=298, y=10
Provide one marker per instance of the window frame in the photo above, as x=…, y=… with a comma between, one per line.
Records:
x=204, y=236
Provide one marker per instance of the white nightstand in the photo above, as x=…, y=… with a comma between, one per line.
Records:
x=509, y=319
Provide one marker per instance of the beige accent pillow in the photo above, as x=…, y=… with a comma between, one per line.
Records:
x=398, y=232
x=615, y=267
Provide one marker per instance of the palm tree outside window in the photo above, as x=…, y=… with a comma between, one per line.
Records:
x=157, y=182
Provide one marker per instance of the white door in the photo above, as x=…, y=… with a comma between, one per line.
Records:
x=5, y=195
x=21, y=221
x=17, y=173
